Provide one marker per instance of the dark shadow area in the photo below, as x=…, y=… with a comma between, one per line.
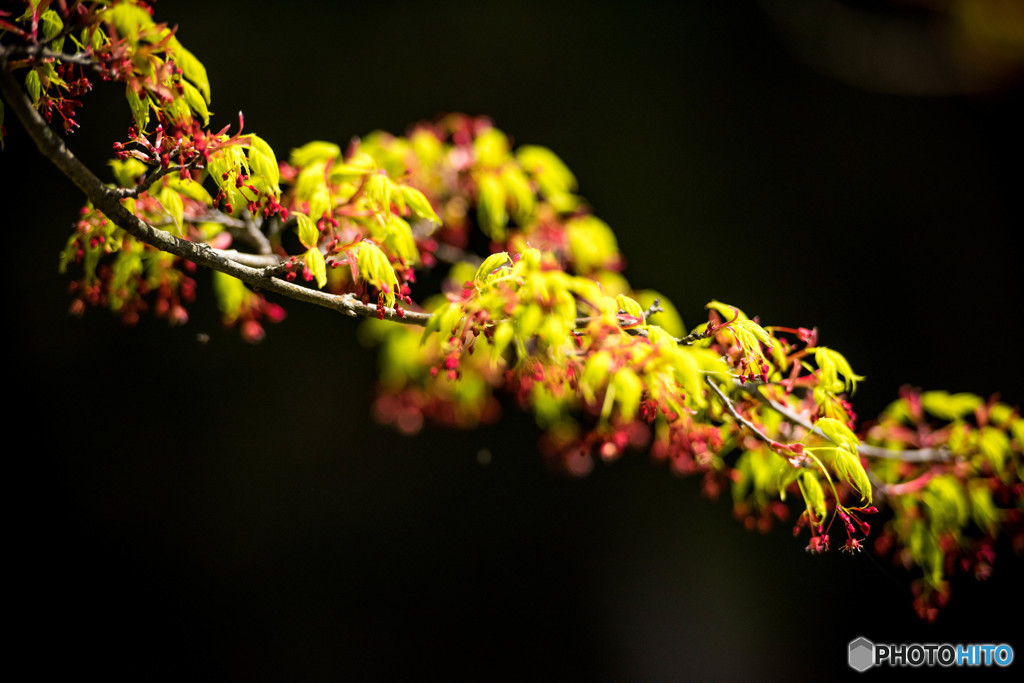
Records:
x=222, y=510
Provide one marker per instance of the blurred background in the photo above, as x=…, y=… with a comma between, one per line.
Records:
x=221, y=509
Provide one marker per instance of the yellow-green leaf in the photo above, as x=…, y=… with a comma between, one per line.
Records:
x=375, y=268
x=125, y=172
x=631, y=307
x=317, y=266
x=948, y=406
x=186, y=188
x=628, y=390
x=308, y=233
x=419, y=204
x=668, y=318
x=490, y=148
x=263, y=162
x=553, y=176
x=814, y=495
x=171, y=201
x=592, y=244
x=995, y=446
x=196, y=102
x=850, y=469
x=51, y=24
x=191, y=67
x=490, y=268
x=139, y=107
x=517, y=187
x=838, y=433
x=231, y=293
x=33, y=85
x=490, y=211
x=128, y=19
x=832, y=364
x=311, y=152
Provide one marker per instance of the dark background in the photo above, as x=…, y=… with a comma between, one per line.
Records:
x=223, y=509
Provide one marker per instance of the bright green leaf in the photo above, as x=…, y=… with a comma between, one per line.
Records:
x=317, y=266
x=948, y=406
x=33, y=85
x=263, y=162
x=419, y=204
x=311, y=152
x=491, y=267
x=814, y=495
x=832, y=364
x=139, y=107
x=490, y=210
x=309, y=235
x=849, y=468
x=196, y=102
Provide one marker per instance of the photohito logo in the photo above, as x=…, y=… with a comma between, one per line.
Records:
x=863, y=654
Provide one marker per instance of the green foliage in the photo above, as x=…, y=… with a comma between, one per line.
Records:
x=544, y=317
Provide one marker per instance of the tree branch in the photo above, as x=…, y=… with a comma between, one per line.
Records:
x=731, y=407
x=40, y=51
x=147, y=182
x=912, y=455
x=108, y=201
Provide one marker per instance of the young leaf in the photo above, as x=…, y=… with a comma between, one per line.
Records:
x=231, y=292
x=317, y=266
x=813, y=495
x=308, y=233
x=491, y=206
x=139, y=107
x=832, y=364
x=171, y=201
x=191, y=67
x=128, y=19
x=311, y=152
x=592, y=244
x=126, y=172
x=838, y=433
x=186, y=188
x=850, y=469
x=419, y=204
x=51, y=24
x=517, y=187
x=375, y=268
x=488, y=270
x=948, y=406
x=399, y=240
x=380, y=192
x=668, y=318
x=490, y=148
x=264, y=162
x=554, y=177
x=33, y=86
x=631, y=307
x=628, y=390
x=196, y=102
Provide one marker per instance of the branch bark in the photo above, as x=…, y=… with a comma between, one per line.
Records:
x=108, y=201
x=869, y=451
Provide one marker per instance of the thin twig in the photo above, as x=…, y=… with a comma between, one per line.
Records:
x=109, y=202
x=147, y=182
x=655, y=307
x=867, y=450
x=729, y=406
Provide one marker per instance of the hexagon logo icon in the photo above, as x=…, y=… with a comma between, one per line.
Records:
x=861, y=654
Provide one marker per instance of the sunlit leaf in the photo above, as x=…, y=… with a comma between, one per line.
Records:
x=317, y=266
x=308, y=233
x=948, y=406
x=312, y=152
